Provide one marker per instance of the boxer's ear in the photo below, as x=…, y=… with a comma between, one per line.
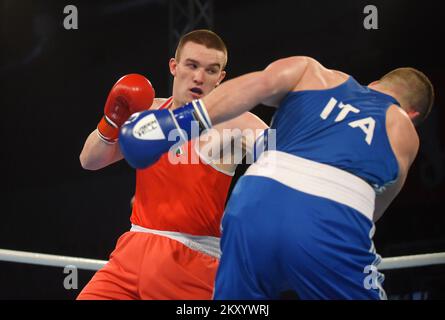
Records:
x=172, y=65
x=221, y=78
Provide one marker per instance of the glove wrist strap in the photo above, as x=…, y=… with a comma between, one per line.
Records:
x=201, y=114
x=107, y=130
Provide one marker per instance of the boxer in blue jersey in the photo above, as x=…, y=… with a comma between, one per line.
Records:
x=302, y=217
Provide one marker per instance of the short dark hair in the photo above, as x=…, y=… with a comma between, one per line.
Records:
x=205, y=37
x=420, y=91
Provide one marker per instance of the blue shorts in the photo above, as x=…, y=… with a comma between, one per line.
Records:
x=276, y=239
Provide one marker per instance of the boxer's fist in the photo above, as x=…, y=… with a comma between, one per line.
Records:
x=148, y=134
x=131, y=93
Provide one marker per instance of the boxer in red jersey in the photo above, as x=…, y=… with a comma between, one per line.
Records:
x=172, y=249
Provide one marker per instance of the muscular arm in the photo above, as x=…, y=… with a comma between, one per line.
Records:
x=96, y=154
x=235, y=135
x=383, y=200
x=405, y=144
x=269, y=86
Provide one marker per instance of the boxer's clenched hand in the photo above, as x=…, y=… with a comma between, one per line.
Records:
x=131, y=93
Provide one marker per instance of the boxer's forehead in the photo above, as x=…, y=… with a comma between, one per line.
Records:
x=202, y=54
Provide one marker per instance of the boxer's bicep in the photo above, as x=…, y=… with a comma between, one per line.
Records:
x=283, y=76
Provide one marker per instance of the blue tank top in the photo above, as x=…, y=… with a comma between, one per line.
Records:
x=344, y=127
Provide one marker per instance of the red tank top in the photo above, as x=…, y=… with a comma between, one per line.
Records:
x=183, y=197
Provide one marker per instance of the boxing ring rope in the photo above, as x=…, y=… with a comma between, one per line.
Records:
x=50, y=260
x=411, y=261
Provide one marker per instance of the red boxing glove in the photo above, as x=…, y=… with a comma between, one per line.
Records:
x=131, y=93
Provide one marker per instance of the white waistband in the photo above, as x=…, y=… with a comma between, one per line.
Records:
x=317, y=179
x=204, y=244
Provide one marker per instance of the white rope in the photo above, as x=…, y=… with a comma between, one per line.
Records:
x=418, y=260
x=92, y=264
x=50, y=260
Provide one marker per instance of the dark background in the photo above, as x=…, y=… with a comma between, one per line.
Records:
x=54, y=82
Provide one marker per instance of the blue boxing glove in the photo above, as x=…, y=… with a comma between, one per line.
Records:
x=147, y=135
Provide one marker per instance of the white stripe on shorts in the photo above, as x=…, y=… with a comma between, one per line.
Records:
x=204, y=244
x=316, y=179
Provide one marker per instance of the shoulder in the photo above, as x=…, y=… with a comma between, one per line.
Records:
x=310, y=73
x=398, y=119
x=295, y=60
x=306, y=63
x=289, y=66
x=405, y=144
x=402, y=134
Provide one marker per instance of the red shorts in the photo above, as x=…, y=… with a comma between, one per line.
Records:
x=149, y=266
